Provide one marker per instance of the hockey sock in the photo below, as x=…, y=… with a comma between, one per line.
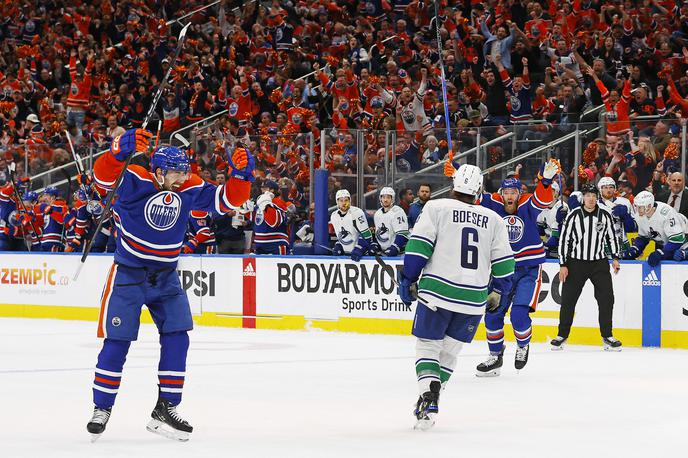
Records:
x=172, y=367
x=450, y=350
x=427, y=363
x=109, y=372
x=520, y=320
x=494, y=325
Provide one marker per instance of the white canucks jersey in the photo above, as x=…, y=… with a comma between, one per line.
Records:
x=665, y=225
x=618, y=223
x=548, y=219
x=388, y=224
x=347, y=227
x=464, y=245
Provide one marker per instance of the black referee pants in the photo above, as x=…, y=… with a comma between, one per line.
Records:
x=600, y=276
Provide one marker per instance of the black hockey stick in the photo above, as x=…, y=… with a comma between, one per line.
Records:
x=10, y=173
x=111, y=195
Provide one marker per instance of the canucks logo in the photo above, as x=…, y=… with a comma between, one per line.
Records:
x=382, y=234
x=162, y=210
x=653, y=234
x=514, y=227
x=344, y=238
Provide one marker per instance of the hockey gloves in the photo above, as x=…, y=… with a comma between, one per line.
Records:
x=338, y=250
x=620, y=211
x=130, y=142
x=493, y=301
x=392, y=251
x=362, y=246
x=561, y=214
x=680, y=255
x=242, y=164
x=632, y=253
x=655, y=258
x=263, y=200
x=407, y=289
x=549, y=170
x=552, y=243
x=374, y=248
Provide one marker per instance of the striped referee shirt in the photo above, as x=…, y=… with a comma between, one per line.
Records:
x=585, y=235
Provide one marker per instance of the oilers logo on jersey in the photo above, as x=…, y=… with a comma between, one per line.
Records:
x=162, y=210
x=515, y=228
x=233, y=109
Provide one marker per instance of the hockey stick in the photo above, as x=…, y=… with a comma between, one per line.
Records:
x=447, y=124
x=11, y=168
x=111, y=195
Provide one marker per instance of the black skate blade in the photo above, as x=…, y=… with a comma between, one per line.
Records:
x=165, y=430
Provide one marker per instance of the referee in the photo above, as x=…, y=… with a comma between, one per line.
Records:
x=587, y=235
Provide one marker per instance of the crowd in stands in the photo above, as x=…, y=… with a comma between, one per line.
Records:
x=280, y=73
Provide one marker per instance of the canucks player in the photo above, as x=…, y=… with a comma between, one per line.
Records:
x=455, y=248
x=621, y=210
x=391, y=226
x=659, y=222
x=151, y=215
x=520, y=212
x=351, y=228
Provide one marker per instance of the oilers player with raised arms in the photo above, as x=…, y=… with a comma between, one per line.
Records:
x=391, y=226
x=271, y=221
x=460, y=257
x=151, y=214
x=659, y=222
x=520, y=213
x=351, y=228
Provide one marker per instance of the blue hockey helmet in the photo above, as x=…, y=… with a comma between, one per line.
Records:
x=81, y=194
x=30, y=196
x=52, y=191
x=170, y=158
x=271, y=185
x=511, y=183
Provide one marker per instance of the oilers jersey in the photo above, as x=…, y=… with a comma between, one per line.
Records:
x=200, y=238
x=522, y=226
x=53, y=218
x=271, y=227
x=151, y=222
x=348, y=227
x=391, y=227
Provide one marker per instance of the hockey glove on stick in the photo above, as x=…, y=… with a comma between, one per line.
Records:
x=407, y=289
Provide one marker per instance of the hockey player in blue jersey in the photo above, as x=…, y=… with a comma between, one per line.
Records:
x=520, y=213
x=53, y=210
x=271, y=221
x=151, y=215
x=200, y=238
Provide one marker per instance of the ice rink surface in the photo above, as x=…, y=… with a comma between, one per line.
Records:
x=259, y=393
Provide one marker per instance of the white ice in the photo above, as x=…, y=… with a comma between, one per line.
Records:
x=260, y=393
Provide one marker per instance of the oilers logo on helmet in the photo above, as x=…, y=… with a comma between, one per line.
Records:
x=162, y=210
x=514, y=227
